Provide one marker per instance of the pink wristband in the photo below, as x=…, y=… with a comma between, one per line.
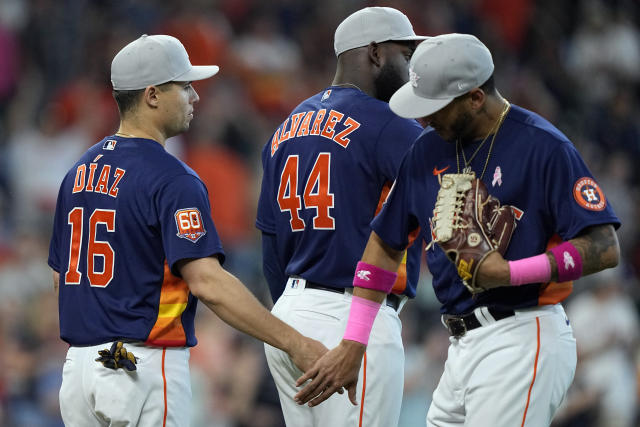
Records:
x=569, y=262
x=361, y=316
x=371, y=277
x=535, y=269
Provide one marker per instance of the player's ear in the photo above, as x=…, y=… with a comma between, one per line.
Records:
x=150, y=96
x=477, y=98
x=374, y=52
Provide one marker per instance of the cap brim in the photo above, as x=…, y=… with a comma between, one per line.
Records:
x=409, y=38
x=198, y=72
x=405, y=103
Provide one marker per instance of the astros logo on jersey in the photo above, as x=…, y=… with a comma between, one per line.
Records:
x=589, y=195
x=189, y=224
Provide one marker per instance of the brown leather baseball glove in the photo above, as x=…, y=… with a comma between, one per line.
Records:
x=469, y=224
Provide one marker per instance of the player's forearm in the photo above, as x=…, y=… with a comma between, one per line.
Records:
x=237, y=307
x=226, y=296
x=598, y=247
x=378, y=253
x=373, y=280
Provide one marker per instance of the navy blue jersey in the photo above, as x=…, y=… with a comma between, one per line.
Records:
x=324, y=172
x=533, y=167
x=127, y=211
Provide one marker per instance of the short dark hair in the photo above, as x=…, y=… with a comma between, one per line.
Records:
x=126, y=99
x=489, y=86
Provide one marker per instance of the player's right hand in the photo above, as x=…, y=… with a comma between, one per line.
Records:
x=336, y=369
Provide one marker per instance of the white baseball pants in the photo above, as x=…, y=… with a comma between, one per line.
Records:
x=514, y=372
x=323, y=315
x=157, y=394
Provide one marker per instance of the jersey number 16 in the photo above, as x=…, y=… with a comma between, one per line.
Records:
x=95, y=248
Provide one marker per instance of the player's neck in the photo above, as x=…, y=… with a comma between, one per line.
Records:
x=352, y=80
x=492, y=111
x=131, y=129
x=354, y=84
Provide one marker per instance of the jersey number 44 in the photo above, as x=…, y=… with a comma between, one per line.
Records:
x=316, y=195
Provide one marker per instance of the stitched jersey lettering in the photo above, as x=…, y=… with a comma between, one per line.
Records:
x=106, y=182
x=333, y=126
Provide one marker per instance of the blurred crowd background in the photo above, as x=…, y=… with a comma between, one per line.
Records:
x=576, y=62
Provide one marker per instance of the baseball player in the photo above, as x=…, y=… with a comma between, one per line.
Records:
x=133, y=249
x=512, y=353
x=325, y=170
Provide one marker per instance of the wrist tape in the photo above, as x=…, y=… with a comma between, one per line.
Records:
x=535, y=269
x=361, y=317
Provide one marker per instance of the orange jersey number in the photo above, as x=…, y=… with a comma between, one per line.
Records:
x=96, y=248
x=316, y=194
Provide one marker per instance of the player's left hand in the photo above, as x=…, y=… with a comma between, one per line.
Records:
x=493, y=272
x=336, y=369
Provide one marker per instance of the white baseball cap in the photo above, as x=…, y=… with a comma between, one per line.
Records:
x=441, y=69
x=373, y=24
x=153, y=60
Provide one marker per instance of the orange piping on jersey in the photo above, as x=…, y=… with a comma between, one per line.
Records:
x=174, y=296
x=554, y=292
x=364, y=386
x=164, y=385
x=535, y=371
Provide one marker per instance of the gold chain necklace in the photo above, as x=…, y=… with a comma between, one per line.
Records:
x=494, y=130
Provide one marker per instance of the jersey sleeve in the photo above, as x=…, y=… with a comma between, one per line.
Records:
x=55, y=244
x=272, y=268
x=265, y=219
x=394, y=140
x=397, y=219
x=574, y=198
x=188, y=230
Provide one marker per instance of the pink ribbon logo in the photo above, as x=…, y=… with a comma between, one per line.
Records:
x=497, y=177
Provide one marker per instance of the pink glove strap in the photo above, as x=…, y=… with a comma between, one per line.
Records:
x=535, y=269
x=569, y=262
x=363, y=313
x=371, y=277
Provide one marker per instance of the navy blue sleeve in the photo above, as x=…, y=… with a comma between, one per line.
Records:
x=272, y=269
x=573, y=195
x=185, y=217
x=55, y=244
x=394, y=140
x=396, y=220
x=265, y=220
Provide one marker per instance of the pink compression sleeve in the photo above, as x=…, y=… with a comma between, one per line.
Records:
x=535, y=269
x=361, y=317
